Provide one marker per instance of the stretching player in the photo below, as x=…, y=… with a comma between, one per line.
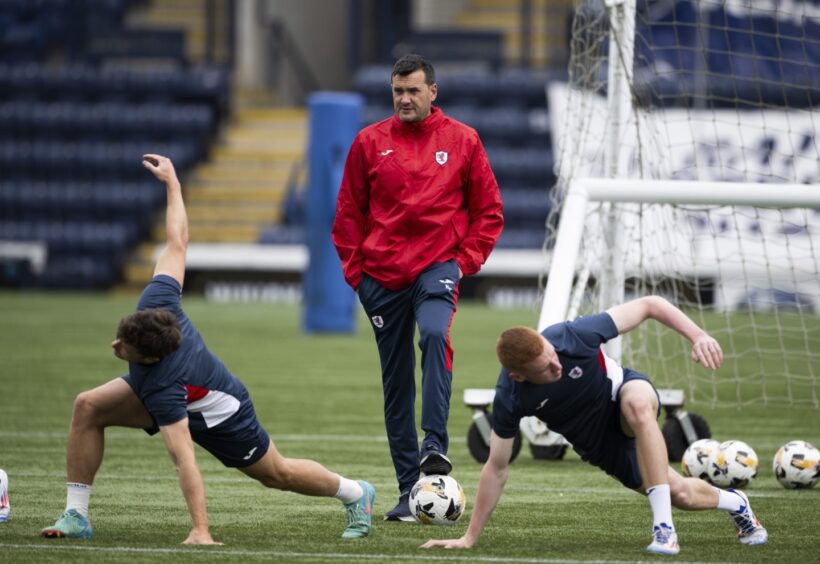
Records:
x=176, y=386
x=608, y=413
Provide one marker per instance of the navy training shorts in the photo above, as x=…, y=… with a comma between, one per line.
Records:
x=619, y=457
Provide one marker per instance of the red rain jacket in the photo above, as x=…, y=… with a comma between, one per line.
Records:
x=415, y=194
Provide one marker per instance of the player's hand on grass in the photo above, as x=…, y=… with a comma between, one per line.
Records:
x=198, y=536
x=161, y=167
x=706, y=351
x=448, y=543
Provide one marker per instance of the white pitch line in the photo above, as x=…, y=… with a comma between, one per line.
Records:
x=209, y=552
x=308, y=438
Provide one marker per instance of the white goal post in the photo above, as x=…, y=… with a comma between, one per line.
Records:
x=758, y=294
x=687, y=156
x=582, y=191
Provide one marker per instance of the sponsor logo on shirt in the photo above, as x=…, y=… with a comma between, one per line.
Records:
x=542, y=404
x=378, y=321
x=386, y=152
x=441, y=157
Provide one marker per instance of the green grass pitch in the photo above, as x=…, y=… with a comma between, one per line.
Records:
x=320, y=397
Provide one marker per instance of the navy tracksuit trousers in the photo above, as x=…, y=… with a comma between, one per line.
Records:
x=430, y=302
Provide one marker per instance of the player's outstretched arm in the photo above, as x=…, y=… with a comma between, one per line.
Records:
x=490, y=485
x=180, y=448
x=705, y=349
x=172, y=259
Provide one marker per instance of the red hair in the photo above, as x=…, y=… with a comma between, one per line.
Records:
x=518, y=347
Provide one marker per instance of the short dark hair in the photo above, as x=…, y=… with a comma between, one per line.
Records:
x=152, y=332
x=410, y=64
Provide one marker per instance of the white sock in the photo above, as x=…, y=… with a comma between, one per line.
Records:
x=349, y=490
x=77, y=498
x=661, y=503
x=729, y=501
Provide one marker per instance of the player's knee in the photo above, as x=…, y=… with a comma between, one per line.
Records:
x=681, y=496
x=432, y=335
x=638, y=410
x=85, y=409
x=280, y=477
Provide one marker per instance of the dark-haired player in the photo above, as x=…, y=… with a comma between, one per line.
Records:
x=608, y=412
x=176, y=386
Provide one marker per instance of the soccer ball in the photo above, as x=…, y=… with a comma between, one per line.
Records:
x=797, y=465
x=733, y=464
x=437, y=500
x=695, y=461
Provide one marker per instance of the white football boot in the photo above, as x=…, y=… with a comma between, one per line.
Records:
x=664, y=540
x=749, y=529
x=4, y=497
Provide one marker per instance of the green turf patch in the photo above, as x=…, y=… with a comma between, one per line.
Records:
x=320, y=398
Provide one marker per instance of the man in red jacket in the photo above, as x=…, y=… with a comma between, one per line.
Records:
x=418, y=208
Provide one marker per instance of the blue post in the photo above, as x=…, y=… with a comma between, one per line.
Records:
x=329, y=303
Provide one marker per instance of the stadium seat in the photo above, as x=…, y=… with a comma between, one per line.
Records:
x=373, y=82
x=529, y=166
x=283, y=235
x=517, y=238
x=71, y=134
x=526, y=207
x=472, y=86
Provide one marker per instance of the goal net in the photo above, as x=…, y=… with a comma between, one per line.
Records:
x=697, y=122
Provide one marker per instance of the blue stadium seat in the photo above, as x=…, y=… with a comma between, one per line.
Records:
x=71, y=135
x=283, y=235
x=80, y=272
x=375, y=113
x=525, y=87
x=527, y=166
x=373, y=82
x=526, y=207
x=472, y=86
x=465, y=113
x=517, y=238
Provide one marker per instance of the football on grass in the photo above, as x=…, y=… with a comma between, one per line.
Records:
x=437, y=500
x=797, y=465
x=695, y=461
x=733, y=465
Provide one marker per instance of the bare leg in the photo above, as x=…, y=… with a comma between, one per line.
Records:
x=639, y=407
x=292, y=474
x=112, y=404
x=691, y=493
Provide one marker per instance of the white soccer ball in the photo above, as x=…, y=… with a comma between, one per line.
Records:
x=733, y=465
x=437, y=500
x=797, y=465
x=695, y=461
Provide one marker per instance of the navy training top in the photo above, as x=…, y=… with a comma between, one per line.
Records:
x=576, y=406
x=190, y=382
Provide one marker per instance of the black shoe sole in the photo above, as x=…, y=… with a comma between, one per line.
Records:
x=402, y=519
x=438, y=467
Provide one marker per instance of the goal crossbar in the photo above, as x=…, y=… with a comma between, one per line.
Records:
x=582, y=191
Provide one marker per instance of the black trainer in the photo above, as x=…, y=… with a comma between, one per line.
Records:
x=433, y=462
x=402, y=510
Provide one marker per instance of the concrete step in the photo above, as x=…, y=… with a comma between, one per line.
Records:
x=137, y=274
x=238, y=173
x=245, y=152
x=270, y=195
x=216, y=232
x=209, y=211
x=164, y=17
x=512, y=4
x=275, y=115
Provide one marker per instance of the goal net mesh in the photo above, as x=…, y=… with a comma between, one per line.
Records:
x=719, y=91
